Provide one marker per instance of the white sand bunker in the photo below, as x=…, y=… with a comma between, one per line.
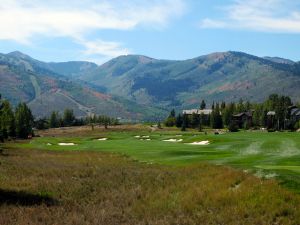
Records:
x=102, y=139
x=49, y=144
x=66, y=144
x=178, y=135
x=137, y=136
x=148, y=139
x=173, y=140
x=199, y=143
x=145, y=136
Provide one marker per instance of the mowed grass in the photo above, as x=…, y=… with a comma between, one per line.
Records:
x=92, y=187
x=269, y=155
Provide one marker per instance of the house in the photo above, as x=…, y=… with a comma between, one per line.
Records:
x=242, y=118
x=197, y=111
x=294, y=114
x=204, y=112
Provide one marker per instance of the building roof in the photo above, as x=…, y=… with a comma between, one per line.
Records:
x=249, y=114
x=197, y=111
x=271, y=113
x=295, y=112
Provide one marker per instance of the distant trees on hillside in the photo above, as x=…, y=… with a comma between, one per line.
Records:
x=274, y=114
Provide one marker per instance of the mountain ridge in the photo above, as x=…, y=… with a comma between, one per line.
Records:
x=24, y=79
x=144, y=85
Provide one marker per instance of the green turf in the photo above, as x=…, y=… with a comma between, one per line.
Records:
x=266, y=154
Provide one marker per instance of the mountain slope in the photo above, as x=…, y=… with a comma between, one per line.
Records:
x=225, y=76
x=73, y=69
x=29, y=80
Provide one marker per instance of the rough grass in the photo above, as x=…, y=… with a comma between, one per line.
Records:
x=83, y=187
x=264, y=154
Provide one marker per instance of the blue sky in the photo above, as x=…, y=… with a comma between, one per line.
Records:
x=98, y=30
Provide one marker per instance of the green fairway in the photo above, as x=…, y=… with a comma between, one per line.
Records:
x=265, y=154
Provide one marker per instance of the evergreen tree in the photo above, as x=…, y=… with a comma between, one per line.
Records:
x=202, y=105
x=41, y=124
x=8, y=120
x=240, y=106
x=201, y=118
x=194, y=120
x=54, y=120
x=184, y=122
x=1, y=134
x=68, y=118
x=171, y=120
x=24, y=121
x=178, y=121
x=216, y=118
x=172, y=113
x=223, y=105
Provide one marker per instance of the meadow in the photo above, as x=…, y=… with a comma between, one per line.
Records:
x=125, y=180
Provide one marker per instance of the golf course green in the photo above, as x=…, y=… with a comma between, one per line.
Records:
x=267, y=155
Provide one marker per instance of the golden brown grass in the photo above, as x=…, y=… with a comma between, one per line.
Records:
x=88, y=131
x=40, y=187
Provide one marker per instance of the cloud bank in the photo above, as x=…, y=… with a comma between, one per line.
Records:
x=276, y=16
x=24, y=20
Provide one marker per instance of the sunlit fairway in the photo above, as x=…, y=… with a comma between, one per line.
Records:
x=270, y=155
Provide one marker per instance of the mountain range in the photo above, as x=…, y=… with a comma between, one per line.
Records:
x=138, y=87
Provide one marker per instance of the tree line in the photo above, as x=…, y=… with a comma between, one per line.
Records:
x=16, y=123
x=222, y=115
x=68, y=119
x=20, y=123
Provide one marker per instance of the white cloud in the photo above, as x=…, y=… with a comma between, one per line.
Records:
x=24, y=20
x=260, y=15
x=100, y=47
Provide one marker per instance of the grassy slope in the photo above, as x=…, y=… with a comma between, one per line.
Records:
x=84, y=187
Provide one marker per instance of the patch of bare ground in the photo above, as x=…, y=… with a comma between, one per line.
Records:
x=40, y=187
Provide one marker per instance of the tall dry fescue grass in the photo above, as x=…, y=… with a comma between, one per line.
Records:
x=97, y=188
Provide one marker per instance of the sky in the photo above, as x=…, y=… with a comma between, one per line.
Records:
x=99, y=30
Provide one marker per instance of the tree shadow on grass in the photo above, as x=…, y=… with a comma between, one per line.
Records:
x=23, y=198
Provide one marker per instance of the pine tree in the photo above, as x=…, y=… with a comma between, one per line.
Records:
x=184, y=122
x=171, y=120
x=8, y=120
x=194, y=120
x=68, y=118
x=200, y=122
x=202, y=105
x=216, y=118
x=54, y=120
x=1, y=134
x=178, y=121
x=24, y=121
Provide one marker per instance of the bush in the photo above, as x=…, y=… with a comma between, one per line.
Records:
x=233, y=127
